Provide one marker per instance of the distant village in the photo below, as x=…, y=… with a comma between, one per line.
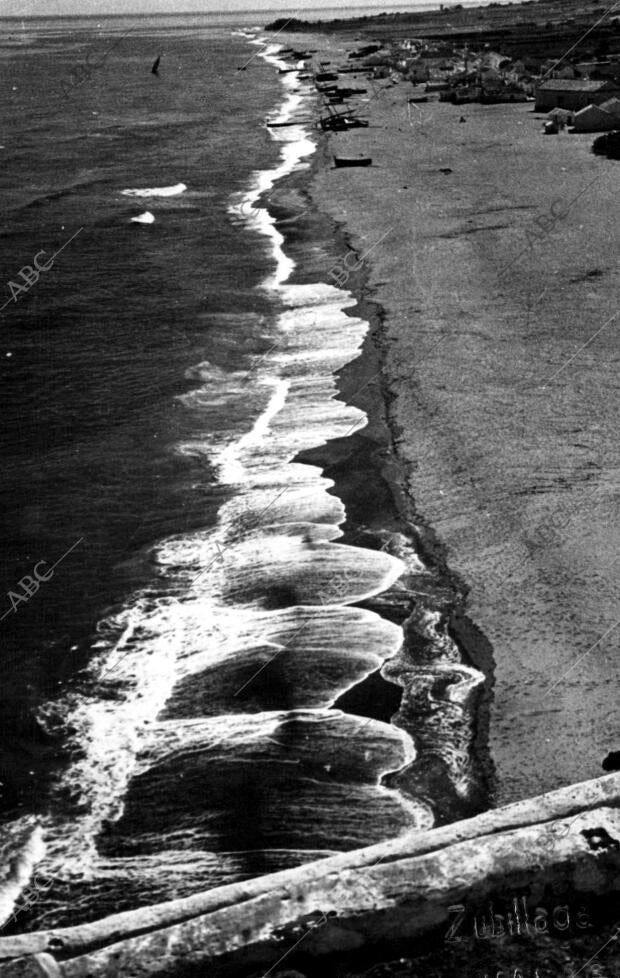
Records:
x=582, y=94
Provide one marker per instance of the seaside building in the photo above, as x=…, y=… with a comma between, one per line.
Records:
x=599, y=118
x=574, y=94
x=566, y=71
x=437, y=86
x=521, y=75
x=594, y=119
x=597, y=70
x=561, y=118
x=418, y=71
x=612, y=105
x=491, y=79
x=495, y=61
x=529, y=65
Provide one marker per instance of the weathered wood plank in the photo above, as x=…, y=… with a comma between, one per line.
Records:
x=402, y=888
x=348, y=909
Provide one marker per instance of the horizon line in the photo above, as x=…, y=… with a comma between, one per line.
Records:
x=236, y=13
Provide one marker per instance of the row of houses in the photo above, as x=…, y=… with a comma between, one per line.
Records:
x=595, y=70
x=511, y=82
x=462, y=74
x=593, y=118
x=588, y=106
x=574, y=94
x=468, y=74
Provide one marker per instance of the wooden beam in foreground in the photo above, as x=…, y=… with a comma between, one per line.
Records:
x=568, y=840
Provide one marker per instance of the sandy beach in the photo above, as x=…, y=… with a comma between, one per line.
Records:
x=499, y=345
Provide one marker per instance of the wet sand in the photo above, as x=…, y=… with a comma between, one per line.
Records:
x=500, y=367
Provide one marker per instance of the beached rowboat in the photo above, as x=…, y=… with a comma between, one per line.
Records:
x=340, y=123
x=290, y=122
x=352, y=161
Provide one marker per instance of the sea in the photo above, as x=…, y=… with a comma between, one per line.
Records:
x=236, y=13
x=178, y=616
x=200, y=668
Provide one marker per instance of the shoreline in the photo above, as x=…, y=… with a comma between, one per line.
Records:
x=369, y=482
x=488, y=455
x=426, y=601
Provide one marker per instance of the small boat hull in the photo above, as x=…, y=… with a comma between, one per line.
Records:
x=341, y=161
x=291, y=122
x=339, y=123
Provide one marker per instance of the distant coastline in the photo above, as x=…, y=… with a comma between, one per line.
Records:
x=548, y=23
x=242, y=16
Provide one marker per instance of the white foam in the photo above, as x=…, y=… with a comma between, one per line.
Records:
x=230, y=460
x=296, y=146
x=174, y=191
x=146, y=218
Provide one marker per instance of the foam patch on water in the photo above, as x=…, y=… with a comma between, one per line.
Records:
x=173, y=191
x=145, y=218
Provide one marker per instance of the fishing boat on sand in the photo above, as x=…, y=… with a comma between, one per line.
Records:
x=340, y=122
x=289, y=122
x=340, y=161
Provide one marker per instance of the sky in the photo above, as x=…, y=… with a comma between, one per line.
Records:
x=44, y=8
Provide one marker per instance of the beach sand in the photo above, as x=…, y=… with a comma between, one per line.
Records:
x=500, y=351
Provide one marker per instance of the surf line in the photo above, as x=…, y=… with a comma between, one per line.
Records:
x=469, y=679
x=296, y=146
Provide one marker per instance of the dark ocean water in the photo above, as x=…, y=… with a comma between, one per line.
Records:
x=94, y=357
x=168, y=696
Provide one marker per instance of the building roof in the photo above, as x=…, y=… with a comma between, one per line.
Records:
x=611, y=105
x=574, y=85
x=592, y=110
x=598, y=64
